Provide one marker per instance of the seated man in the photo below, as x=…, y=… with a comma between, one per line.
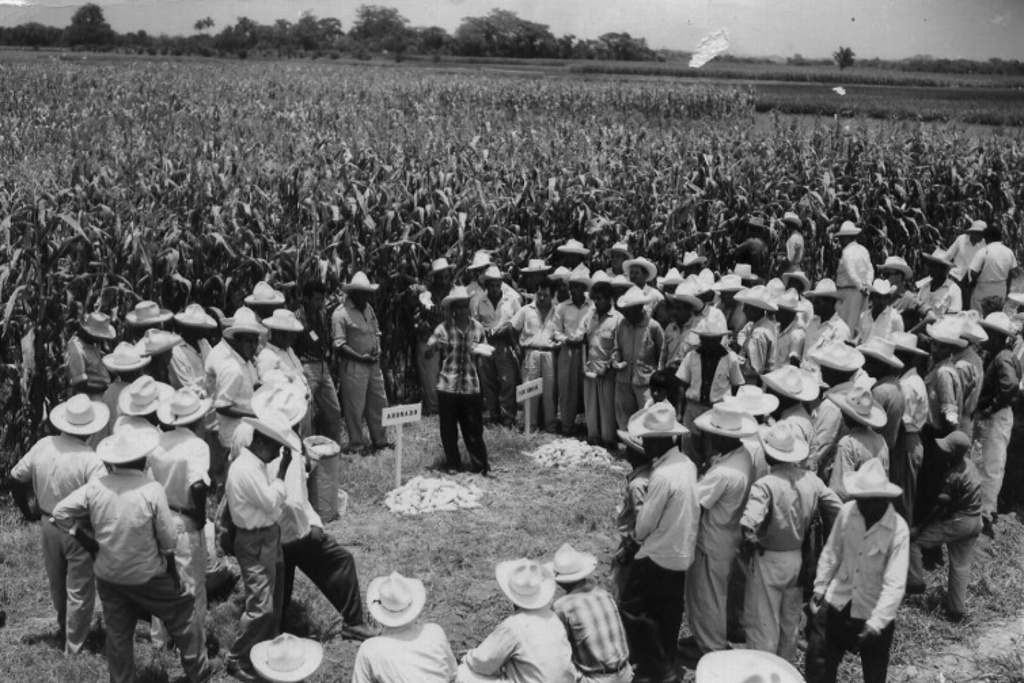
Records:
x=531, y=645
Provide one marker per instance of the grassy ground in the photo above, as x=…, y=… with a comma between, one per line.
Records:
x=527, y=512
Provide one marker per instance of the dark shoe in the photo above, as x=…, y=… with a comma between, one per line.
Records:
x=955, y=617
x=988, y=527
x=931, y=558
x=689, y=650
x=357, y=632
x=242, y=671
x=915, y=589
x=383, y=447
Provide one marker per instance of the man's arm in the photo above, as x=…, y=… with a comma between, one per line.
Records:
x=490, y=656
x=831, y=557
x=648, y=516
x=894, y=581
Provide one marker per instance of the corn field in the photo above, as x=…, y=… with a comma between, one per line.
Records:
x=192, y=181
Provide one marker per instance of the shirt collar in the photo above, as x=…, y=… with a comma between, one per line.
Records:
x=668, y=454
x=887, y=521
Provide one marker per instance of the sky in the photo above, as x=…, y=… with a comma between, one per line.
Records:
x=890, y=29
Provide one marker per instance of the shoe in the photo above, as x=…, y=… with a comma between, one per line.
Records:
x=988, y=527
x=915, y=589
x=382, y=447
x=955, y=617
x=689, y=650
x=357, y=632
x=241, y=671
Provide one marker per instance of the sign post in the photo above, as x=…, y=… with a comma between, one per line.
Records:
x=397, y=416
x=526, y=393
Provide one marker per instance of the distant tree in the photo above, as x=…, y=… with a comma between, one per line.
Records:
x=503, y=33
x=89, y=28
x=432, y=40
x=624, y=47
x=203, y=24
x=32, y=34
x=843, y=57
x=381, y=28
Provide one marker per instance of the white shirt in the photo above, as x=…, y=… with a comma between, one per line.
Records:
x=994, y=262
x=855, y=268
x=667, y=524
x=887, y=322
x=723, y=494
x=417, y=653
x=820, y=334
x=945, y=299
x=255, y=500
x=915, y=399
x=274, y=364
x=795, y=248
x=57, y=466
x=531, y=646
x=232, y=382
x=297, y=516
x=962, y=253
x=180, y=460
x=187, y=370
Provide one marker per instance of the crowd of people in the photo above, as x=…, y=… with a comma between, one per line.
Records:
x=797, y=447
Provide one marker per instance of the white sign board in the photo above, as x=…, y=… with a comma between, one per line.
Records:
x=400, y=415
x=528, y=390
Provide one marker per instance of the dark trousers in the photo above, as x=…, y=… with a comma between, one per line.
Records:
x=463, y=411
x=330, y=567
x=832, y=633
x=652, y=613
x=159, y=597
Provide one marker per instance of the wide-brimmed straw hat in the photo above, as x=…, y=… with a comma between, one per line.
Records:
x=457, y=294
x=621, y=280
x=729, y=283
x=776, y=288
x=792, y=382
x=999, y=323
x=759, y=297
x=580, y=275
x=939, y=256
x=883, y=350
x=947, y=331
x=848, y=229
x=481, y=259
x=573, y=247
x=870, y=481
x=536, y=265
x=147, y=313
x=838, y=356
x=711, y=326
x=570, y=565
x=790, y=218
x=263, y=294
x=634, y=296
x=287, y=658
x=396, y=600
x=493, y=273
x=286, y=399
x=125, y=358
x=182, y=408
x=155, y=342
x=745, y=666
x=897, y=265
x=641, y=262
x=128, y=445
x=725, y=420
x=559, y=274
x=599, y=276
x=788, y=301
x=692, y=259
x=978, y=226
x=80, y=415
x=195, y=316
x=360, y=283
x=687, y=293
x=276, y=426
x=244, y=321
x=526, y=583
x=671, y=279
x=97, y=325
x=797, y=275
x=882, y=287
x=752, y=399
x=782, y=442
x=283, y=320
x=657, y=421
x=440, y=264
x=906, y=341
x=143, y=396
x=620, y=248
x=826, y=287
x=859, y=405
x=745, y=272
x=956, y=444
x=970, y=326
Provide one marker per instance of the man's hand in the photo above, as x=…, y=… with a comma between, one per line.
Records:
x=751, y=544
x=867, y=635
x=316, y=533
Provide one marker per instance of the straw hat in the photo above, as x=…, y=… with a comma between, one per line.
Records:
x=825, y=287
x=970, y=326
x=570, y=565
x=790, y=218
x=633, y=297
x=360, y=283
x=744, y=271
x=130, y=424
x=620, y=248
x=396, y=600
x=882, y=287
x=128, y=446
x=898, y=265
x=97, y=325
x=1016, y=297
x=599, y=276
x=183, y=408
x=195, y=316
x=283, y=320
x=641, y=262
x=657, y=421
x=792, y=382
x=706, y=277
x=687, y=293
x=956, y=444
x=859, y=405
x=560, y=274
x=580, y=275
x=147, y=313
x=711, y=326
x=775, y=288
x=797, y=275
x=536, y=265
x=848, y=229
x=80, y=415
x=143, y=396
x=526, y=583
x=672, y=279
x=125, y=358
x=745, y=666
x=729, y=283
x=439, y=264
x=947, y=331
x=759, y=297
x=838, y=356
x=692, y=258
x=978, y=226
x=264, y=295
x=481, y=259
x=725, y=420
x=573, y=247
x=999, y=323
x=155, y=342
x=752, y=399
x=939, y=256
x=286, y=399
x=906, y=341
x=244, y=321
x=781, y=442
x=789, y=301
x=458, y=294
x=492, y=273
x=621, y=281
x=870, y=481
x=881, y=349
x=287, y=658
x=276, y=426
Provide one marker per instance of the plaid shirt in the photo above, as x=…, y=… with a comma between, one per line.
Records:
x=458, y=369
x=595, y=631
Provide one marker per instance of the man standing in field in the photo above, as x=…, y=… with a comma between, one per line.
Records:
x=638, y=341
x=855, y=274
x=760, y=334
x=427, y=316
x=83, y=356
x=794, y=243
x=231, y=374
x=599, y=330
x=992, y=270
x=569, y=318
x=357, y=339
x=963, y=250
x=940, y=295
x=498, y=373
x=827, y=326
x=535, y=325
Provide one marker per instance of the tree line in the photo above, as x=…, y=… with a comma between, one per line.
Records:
x=377, y=29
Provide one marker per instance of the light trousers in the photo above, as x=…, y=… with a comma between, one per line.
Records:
x=851, y=304
x=984, y=290
x=570, y=385
x=324, y=479
x=772, y=605
x=994, y=433
x=261, y=560
x=959, y=534
x=599, y=406
x=629, y=398
x=72, y=584
x=363, y=396
x=904, y=464
x=541, y=365
x=707, y=596
x=190, y=559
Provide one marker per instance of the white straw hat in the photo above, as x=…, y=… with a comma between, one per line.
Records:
x=793, y=383
x=621, y=248
x=693, y=259
x=859, y=405
x=729, y=283
x=970, y=326
x=788, y=301
x=641, y=262
x=870, y=481
x=492, y=273
x=360, y=283
x=559, y=274
x=978, y=226
x=825, y=287
x=264, y=295
x=657, y=421
x=143, y=396
x=898, y=265
x=125, y=358
x=881, y=349
x=80, y=415
x=906, y=341
x=999, y=323
x=287, y=658
x=276, y=426
x=573, y=247
x=128, y=445
x=536, y=265
x=758, y=297
x=243, y=322
x=526, y=583
x=457, y=294
x=147, y=313
x=395, y=600
x=745, y=666
x=580, y=275
x=156, y=341
x=481, y=259
x=195, y=316
x=711, y=326
x=848, y=229
x=671, y=279
x=687, y=293
x=838, y=356
x=744, y=271
x=939, y=256
x=570, y=565
x=752, y=399
x=782, y=442
x=439, y=264
x=283, y=320
x=947, y=331
x=97, y=325
x=286, y=399
x=634, y=296
x=882, y=287
x=182, y=408
x=725, y=420
x=797, y=275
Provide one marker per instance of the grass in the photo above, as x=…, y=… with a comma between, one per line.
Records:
x=527, y=512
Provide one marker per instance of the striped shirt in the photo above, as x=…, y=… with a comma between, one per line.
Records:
x=458, y=369
x=595, y=631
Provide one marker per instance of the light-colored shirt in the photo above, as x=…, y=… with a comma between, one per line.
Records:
x=186, y=370
x=887, y=322
x=531, y=646
x=679, y=341
x=790, y=344
x=945, y=395
x=633, y=499
x=867, y=567
x=795, y=248
x=640, y=347
x=132, y=525
x=728, y=374
x=758, y=352
x=535, y=329
x=855, y=449
x=84, y=362
x=255, y=499
x=915, y=401
x=820, y=334
x=180, y=460
x=600, y=333
x=297, y=516
x=945, y=299
x=569, y=320
x=800, y=420
x=780, y=506
x=829, y=427
x=356, y=329
x=417, y=653
x=281, y=366
x=888, y=394
x=961, y=253
x=232, y=380
x=476, y=291
x=492, y=316
x=971, y=370
x=723, y=494
x=667, y=524
x=855, y=267
x=57, y=466
x=993, y=263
